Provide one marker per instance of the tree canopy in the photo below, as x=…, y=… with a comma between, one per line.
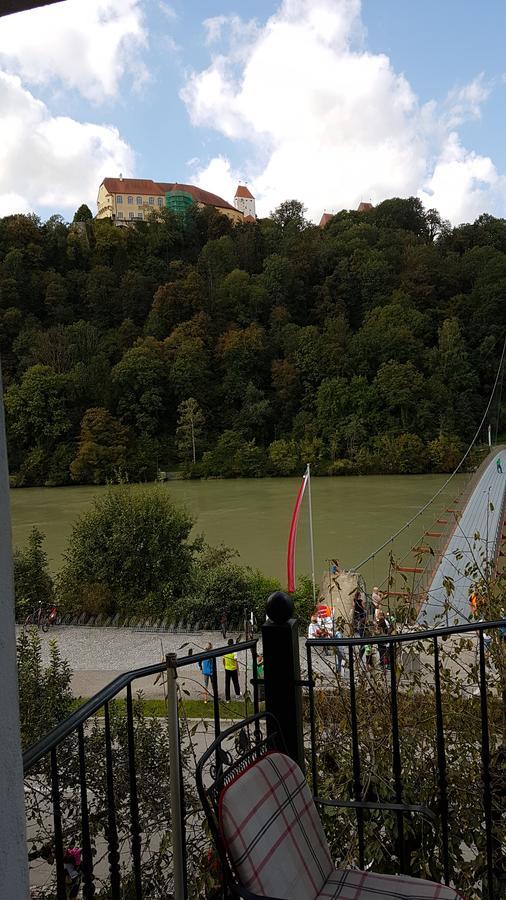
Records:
x=290, y=338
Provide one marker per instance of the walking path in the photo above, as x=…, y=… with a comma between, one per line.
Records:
x=98, y=655
x=474, y=544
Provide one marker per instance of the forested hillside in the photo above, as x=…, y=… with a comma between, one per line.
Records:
x=369, y=345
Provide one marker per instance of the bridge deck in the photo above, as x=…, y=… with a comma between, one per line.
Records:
x=477, y=536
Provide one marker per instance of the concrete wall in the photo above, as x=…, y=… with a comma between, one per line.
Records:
x=13, y=848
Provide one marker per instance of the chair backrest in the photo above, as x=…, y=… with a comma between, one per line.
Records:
x=272, y=832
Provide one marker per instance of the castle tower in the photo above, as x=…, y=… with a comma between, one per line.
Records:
x=244, y=201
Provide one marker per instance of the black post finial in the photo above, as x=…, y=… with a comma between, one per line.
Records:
x=279, y=607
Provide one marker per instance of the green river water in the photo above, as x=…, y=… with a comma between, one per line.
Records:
x=351, y=517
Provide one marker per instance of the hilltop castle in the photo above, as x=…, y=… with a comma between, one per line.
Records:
x=130, y=199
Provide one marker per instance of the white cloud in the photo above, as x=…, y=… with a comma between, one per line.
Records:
x=465, y=103
x=330, y=123
x=88, y=45
x=167, y=11
x=52, y=160
x=220, y=175
x=463, y=184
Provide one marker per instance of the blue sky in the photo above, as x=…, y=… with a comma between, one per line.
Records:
x=330, y=101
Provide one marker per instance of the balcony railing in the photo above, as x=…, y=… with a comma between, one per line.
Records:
x=352, y=723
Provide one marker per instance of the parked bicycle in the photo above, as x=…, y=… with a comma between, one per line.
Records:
x=42, y=617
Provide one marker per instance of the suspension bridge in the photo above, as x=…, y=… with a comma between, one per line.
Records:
x=472, y=548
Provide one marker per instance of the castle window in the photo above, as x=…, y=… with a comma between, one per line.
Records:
x=120, y=215
x=119, y=199
x=130, y=200
x=160, y=201
x=139, y=201
x=151, y=201
x=139, y=216
x=131, y=215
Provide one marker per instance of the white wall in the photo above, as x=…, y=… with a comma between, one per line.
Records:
x=13, y=848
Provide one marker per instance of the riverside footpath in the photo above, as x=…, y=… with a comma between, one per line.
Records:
x=98, y=655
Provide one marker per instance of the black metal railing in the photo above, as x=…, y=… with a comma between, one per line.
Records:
x=338, y=714
x=389, y=682
x=49, y=759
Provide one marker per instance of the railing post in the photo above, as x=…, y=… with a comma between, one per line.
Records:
x=283, y=692
x=178, y=854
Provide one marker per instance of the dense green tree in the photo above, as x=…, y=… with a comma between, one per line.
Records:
x=83, y=214
x=39, y=409
x=386, y=322
x=127, y=551
x=284, y=457
x=453, y=381
x=32, y=581
x=400, y=386
x=290, y=213
x=140, y=382
x=445, y=452
x=102, y=450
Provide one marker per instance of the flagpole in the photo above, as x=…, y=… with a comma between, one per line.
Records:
x=311, y=532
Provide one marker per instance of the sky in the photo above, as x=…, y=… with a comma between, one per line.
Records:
x=330, y=102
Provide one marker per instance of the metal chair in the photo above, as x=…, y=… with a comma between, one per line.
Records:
x=267, y=831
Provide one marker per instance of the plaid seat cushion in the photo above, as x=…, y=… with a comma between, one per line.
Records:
x=352, y=884
x=277, y=845
x=273, y=832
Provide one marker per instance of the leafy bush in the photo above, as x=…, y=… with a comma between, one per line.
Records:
x=445, y=452
x=342, y=467
x=283, y=457
x=402, y=454
x=234, y=457
x=45, y=696
x=130, y=548
x=32, y=581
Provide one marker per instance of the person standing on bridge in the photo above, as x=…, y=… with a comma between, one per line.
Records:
x=499, y=465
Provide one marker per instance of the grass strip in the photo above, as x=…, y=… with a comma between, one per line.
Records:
x=193, y=709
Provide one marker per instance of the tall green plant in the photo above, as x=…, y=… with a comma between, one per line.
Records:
x=126, y=552
x=32, y=580
x=45, y=695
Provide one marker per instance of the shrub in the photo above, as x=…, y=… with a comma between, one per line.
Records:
x=232, y=457
x=342, y=467
x=131, y=546
x=445, y=452
x=102, y=448
x=283, y=457
x=45, y=697
x=403, y=454
x=32, y=581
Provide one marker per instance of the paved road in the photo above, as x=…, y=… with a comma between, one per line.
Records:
x=475, y=538
x=97, y=655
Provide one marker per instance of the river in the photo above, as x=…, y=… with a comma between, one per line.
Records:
x=351, y=517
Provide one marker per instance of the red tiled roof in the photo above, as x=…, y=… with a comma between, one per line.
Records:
x=249, y=218
x=326, y=217
x=198, y=194
x=363, y=207
x=242, y=191
x=132, y=186
x=160, y=188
